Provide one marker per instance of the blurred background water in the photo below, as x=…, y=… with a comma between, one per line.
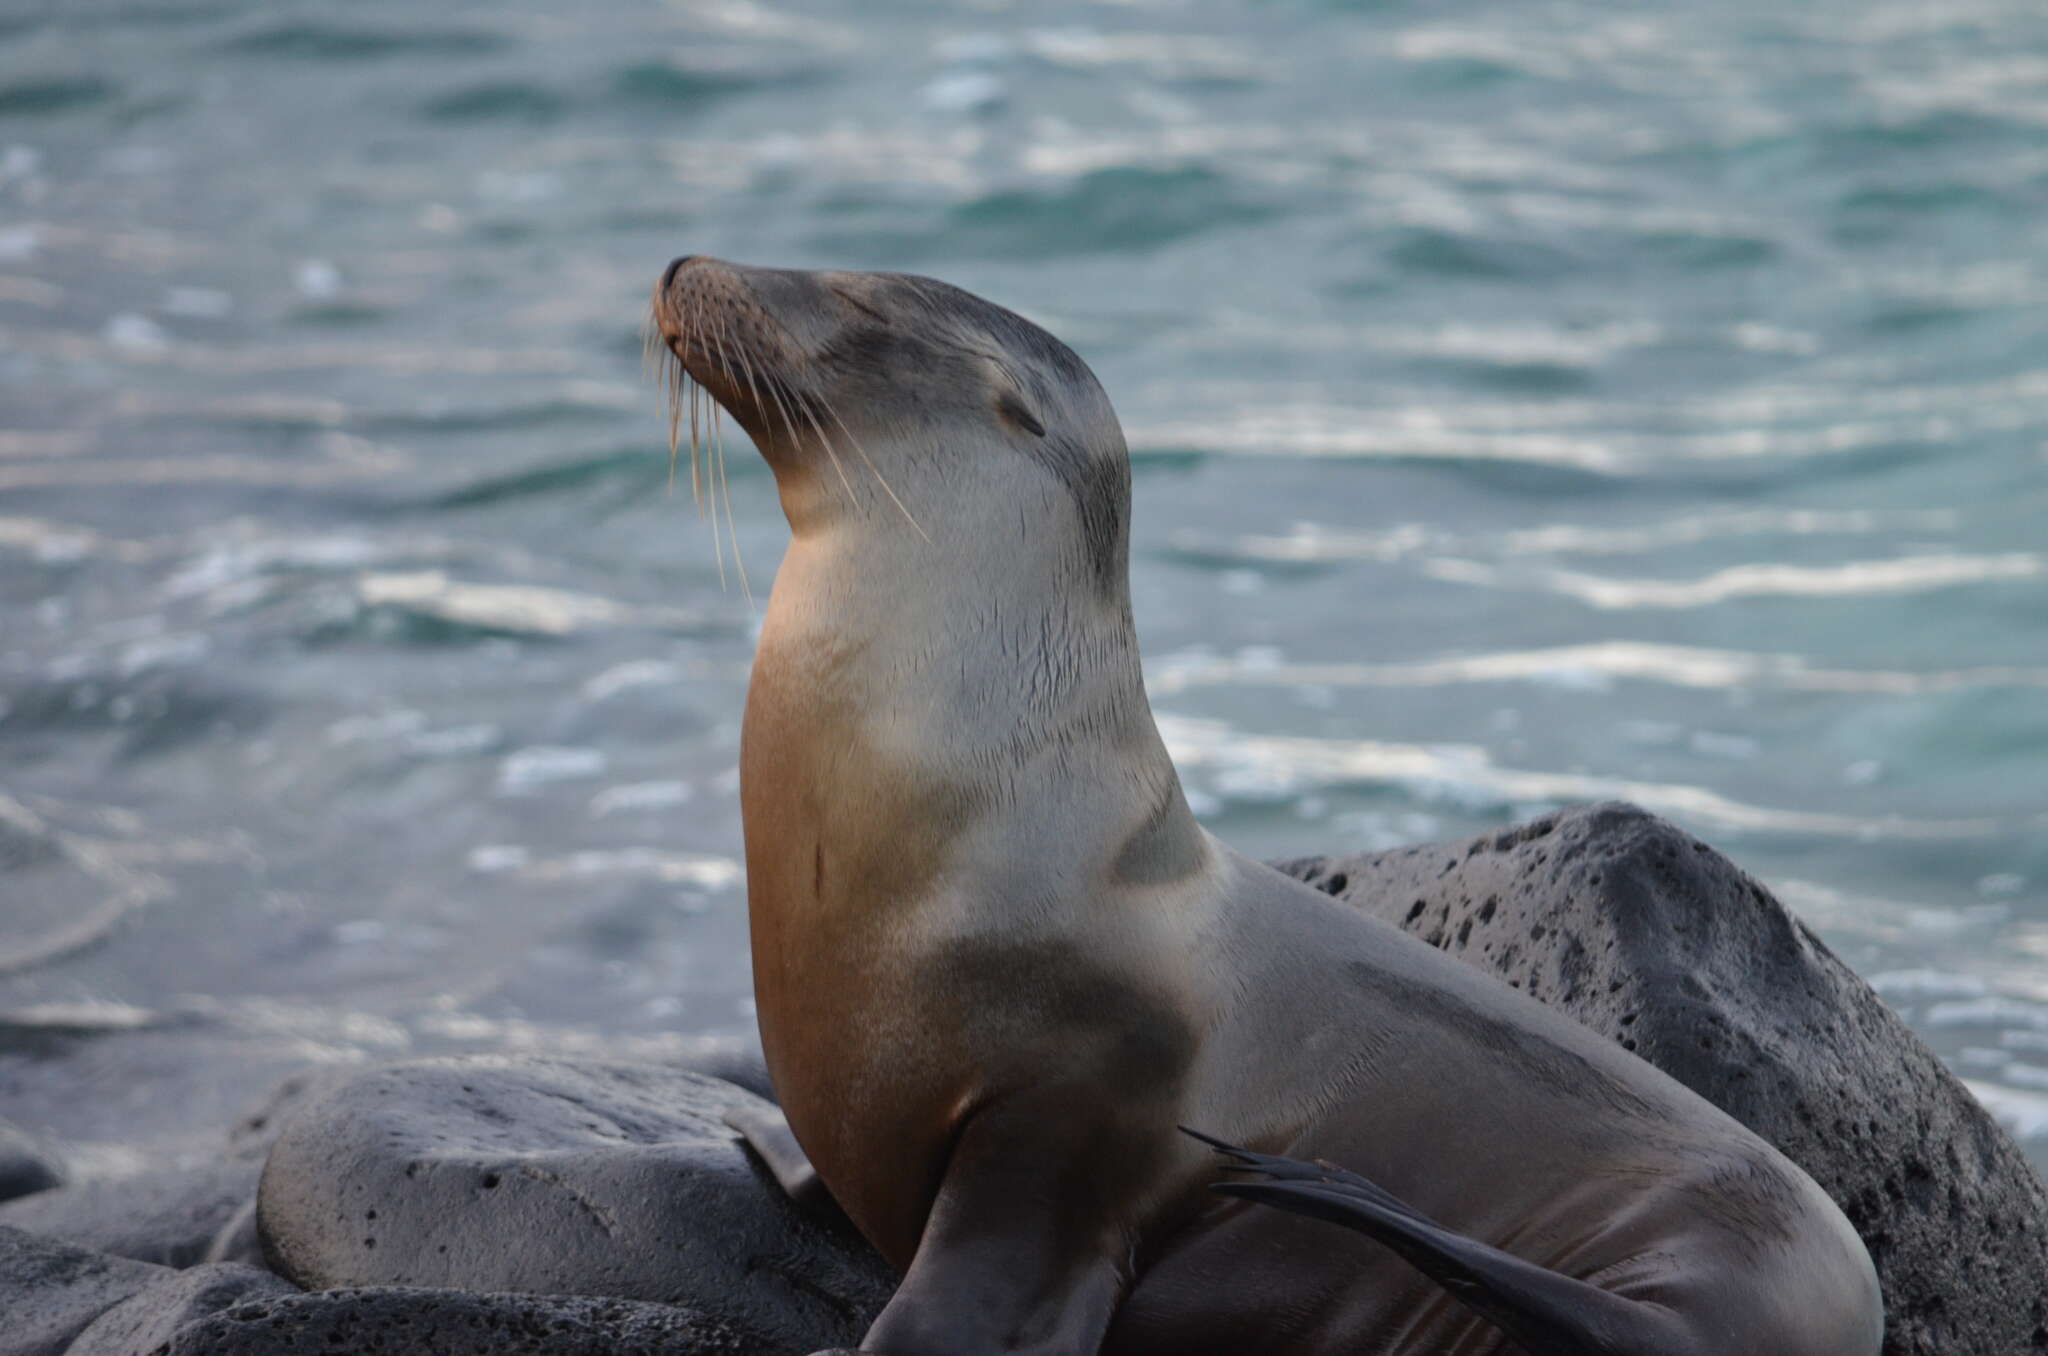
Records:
x=1532, y=403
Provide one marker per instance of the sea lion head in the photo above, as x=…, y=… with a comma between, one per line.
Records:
x=893, y=387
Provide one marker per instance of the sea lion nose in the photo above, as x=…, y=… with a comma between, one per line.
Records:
x=674, y=265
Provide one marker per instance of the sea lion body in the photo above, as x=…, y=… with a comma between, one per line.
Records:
x=997, y=963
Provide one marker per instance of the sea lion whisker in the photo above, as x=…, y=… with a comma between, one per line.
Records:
x=652, y=365
x=671, y=394
x=772, y=383
x=700, y=419
x=777, y=388
x=650, y=335
x=693, y=395
x=787, y=398
x=746, y=365
x=715, y=451
x=680, y=394
x=805, y=403
x=879, y=477
x=732, y=530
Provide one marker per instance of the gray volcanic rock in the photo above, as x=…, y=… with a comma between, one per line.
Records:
x=238, y=1240
x=538, y=1175
x=170, y=1216
x=426, y=1322
x=25, y=1167
x=51, y=1291
x=745, y=1067
x=158, y=1315
x=252, y=1136
x=1652, y=938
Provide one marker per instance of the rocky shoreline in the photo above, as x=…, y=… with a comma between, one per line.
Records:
x=526, y=1204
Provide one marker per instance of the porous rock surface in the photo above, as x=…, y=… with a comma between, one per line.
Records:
x=428, y=1322
x=1650, y=937
x=170, y=1216
x=51, y=1291
x=156, y=1315
x=511, y=1174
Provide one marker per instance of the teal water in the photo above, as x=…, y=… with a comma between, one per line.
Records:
x=1532, y=403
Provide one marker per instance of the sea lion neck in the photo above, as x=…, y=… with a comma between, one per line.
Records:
x=899, y=698
x=970, y=653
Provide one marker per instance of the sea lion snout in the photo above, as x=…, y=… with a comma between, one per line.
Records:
x=748, y=337
x=669, y=275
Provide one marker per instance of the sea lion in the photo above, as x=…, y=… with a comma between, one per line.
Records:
x=997, y=962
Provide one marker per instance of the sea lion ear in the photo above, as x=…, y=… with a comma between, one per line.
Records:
x=1015, y=411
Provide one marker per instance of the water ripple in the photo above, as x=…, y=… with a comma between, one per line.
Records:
x=1592, y=666
x=1282, y=767
x=510, y=609
x=1862, y=578
x=306, y=40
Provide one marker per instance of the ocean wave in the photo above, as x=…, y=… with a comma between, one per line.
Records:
x=454, y=609
x=1127, y=209
x=1564, y=438
x=1163, y=56
x=1860, y=578
x=1596, y=666
x=1265, y=768
x=48, y=95
x=703, y=871
x=522, y=101
x=1313, y=544
x=644, y=466
x=309, y=40
x=112, y=890
x=230, y=359
x=1329, y=431
x=672, y=86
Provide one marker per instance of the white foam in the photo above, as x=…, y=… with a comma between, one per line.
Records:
x=529, y=769
x=1894, y=985
x=2023, y=1114
x=1266, y=767
x=639, y=796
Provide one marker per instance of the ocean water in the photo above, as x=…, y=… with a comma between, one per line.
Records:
x=1532, y=403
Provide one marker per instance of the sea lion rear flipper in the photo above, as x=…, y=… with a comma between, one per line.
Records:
x=1547, y=1314
x=767, y=1133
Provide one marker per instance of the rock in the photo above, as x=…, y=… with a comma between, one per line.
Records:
x=170, y=1216
x=1652, y=938
x=25, y=1166
x=538, y=1175
x=156, y=1316
x=238, y=1240
x=428, y=1322
x=252, y=1136
x=744, y=1066
x=51, y=1291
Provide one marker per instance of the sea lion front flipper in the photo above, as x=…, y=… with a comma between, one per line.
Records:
x=1021, y=1251
x=1547, y=1314
x=767, y=1133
